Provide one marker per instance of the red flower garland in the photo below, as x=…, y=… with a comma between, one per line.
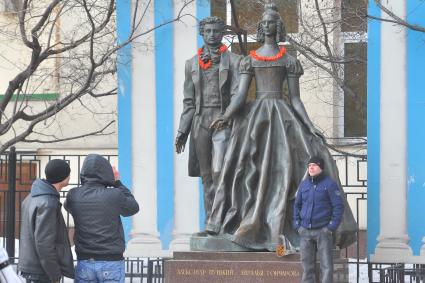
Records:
x=202, y=64
x=279, y=55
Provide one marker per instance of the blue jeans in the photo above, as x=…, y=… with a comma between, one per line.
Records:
x=316, y=242
x=93, y=271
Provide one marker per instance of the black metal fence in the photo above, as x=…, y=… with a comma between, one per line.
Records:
x=19, y=170
x=400, y=273
x=353, y=177
x=137, y=270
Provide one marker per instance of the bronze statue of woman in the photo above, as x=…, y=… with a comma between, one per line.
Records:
x=271, y=141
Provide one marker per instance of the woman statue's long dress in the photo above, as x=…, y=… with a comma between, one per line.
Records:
x=267, y=154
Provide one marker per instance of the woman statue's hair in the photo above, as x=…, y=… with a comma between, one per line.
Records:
x=271, y=9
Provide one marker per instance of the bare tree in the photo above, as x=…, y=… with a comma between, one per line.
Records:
x=334, y=39
x=331, y=39
x=70, y=47
x=394, y=18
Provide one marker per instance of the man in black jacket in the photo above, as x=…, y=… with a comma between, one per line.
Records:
x=97, y=207
x=44, y=252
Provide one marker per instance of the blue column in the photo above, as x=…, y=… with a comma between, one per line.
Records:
x=373, y=126
x=164, y=110
x=124, y=73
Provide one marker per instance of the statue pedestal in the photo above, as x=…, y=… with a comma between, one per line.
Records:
x=232, y=267
x=214, y=244
x=236, y=267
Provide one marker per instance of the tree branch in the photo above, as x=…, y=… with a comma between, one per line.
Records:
x=395, y=19
x=55, y=139
x=398, y=22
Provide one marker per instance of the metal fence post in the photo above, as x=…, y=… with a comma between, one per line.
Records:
x=150, y=271
x=11, y=203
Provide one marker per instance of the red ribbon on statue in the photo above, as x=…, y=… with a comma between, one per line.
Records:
x=279, y=55
x=202, y=64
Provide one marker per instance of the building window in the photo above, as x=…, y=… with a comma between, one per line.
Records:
x=249, y=13
x=10, y=6
x=218, y=9
x=353, y=13
x=354, y=44
x=355, y=77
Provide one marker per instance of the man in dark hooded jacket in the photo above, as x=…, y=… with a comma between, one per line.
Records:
x=96, y=207
x=44, y=252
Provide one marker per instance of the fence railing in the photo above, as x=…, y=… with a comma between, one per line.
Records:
x=400, y=273
x=19, y=170
x=137, y=270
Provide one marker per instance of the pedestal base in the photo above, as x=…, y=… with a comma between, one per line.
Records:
x=214, y=244
x=236, y=267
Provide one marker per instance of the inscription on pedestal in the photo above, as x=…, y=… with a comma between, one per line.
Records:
x=231, y=272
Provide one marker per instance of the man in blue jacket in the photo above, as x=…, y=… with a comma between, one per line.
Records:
x=318, y=212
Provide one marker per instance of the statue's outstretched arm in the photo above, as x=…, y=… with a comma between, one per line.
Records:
x=238, y=100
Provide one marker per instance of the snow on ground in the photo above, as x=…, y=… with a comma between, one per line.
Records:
x=352, y=271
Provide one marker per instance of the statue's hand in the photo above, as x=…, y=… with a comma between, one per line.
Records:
x=220, y=123
x=180, y=142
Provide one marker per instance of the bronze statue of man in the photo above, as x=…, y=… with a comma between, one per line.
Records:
x=211, y=78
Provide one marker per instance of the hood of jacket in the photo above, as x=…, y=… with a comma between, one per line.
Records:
x=97, y=169
x=42, y=187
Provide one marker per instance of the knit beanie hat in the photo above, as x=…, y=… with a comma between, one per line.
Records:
x=317, y=160
x=57, y=170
